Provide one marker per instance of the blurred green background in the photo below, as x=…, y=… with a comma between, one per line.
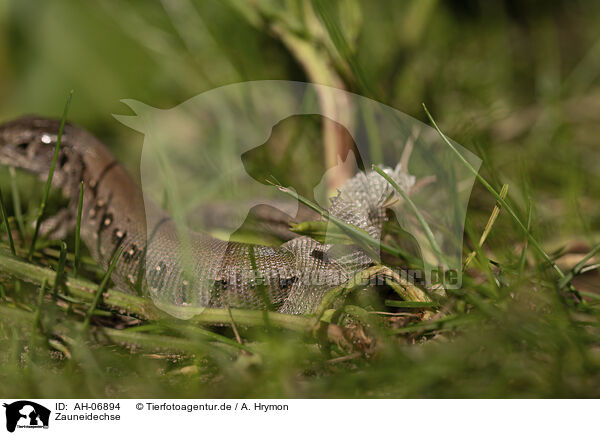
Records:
x=516, y=82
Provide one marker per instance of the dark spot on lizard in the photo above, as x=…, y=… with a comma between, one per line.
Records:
x=219, y=286
x=131, y=254
x=107, y=220
x=183, y=297
x=185, y=290
x=320, y=255
x=23, y=146
x=286, y=283
x=118, y=236
x=95, y=183
x=156, y=276
x=63, y=160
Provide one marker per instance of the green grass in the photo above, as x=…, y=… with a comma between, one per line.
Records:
x=48, y=184
x=519, y=89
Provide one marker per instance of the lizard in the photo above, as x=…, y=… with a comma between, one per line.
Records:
x=290, y=278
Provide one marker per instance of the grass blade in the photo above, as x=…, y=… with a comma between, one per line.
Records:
x=6, y=224
x=410, y=304
x=524, y=250
x=16, y=203
x=415, y=210
x=38, y=310
x=60, y=270
x=488, y=227
x=100, y=290
x=578, y=268
x=78, y=232
x=500, y=200
x=49, y=179
x=325, y=10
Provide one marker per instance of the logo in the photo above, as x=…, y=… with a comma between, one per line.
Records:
x=25, y=414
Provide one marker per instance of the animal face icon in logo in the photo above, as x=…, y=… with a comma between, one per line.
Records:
x=26, y=414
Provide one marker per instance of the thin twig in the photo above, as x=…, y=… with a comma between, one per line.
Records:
x=488, y=226
x=344, y=358
x=235, y=331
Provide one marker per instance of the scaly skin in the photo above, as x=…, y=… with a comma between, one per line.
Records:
x=291, y=278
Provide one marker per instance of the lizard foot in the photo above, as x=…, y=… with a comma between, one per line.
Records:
x=59, y=225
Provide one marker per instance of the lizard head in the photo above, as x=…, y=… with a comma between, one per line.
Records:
x=28, y=142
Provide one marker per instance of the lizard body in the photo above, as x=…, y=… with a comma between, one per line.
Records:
x=290, y=278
